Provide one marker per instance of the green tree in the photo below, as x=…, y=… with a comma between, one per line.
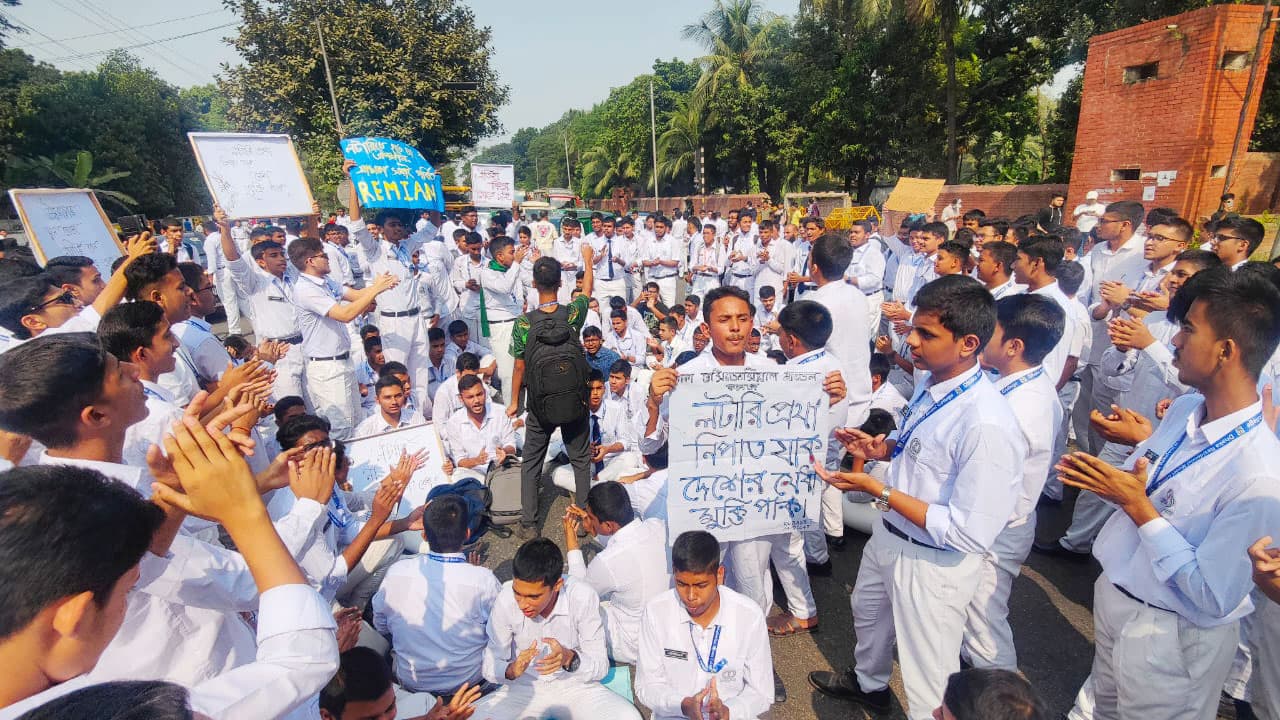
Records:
x=389, y=63
x=207, y=107
x=678, y=144
x=6, y=27
x=75, y=170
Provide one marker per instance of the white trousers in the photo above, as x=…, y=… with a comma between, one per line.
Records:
x=704, y=283
x=667, y=290
x=1264, y=642
x=405, y=341
x=500, y=346
x=1151, y=663
x=289, y=374
x=873, y=311
x=815, y=540
x=743, y=283
x=1067, y=396
x=747, y=571
x=604, y=289
x=559, y=699
x=363, y=579
x=615, y=467
x=916, y=596
x=1092, y=512
x=988, y=639
x=230, y=300
x=333, y=394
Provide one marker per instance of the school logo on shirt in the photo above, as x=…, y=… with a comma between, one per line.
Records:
x=1150, y=455
x=675, y=654
x=730, y=675
x=1166, y=503
x=914, y=447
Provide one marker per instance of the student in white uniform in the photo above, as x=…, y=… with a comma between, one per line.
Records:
x=704, y=649
x=391, y=413
x=773, y=261
x=434, y=607
x=199, y=347
x=995, y=269
x=952, y=481
x=743, y=257
x=502, y=300
x=884, y=395
x=630, y=342
x=547, y=645
x=460, y=341
x=1038, y=258
x=78, y=599
x=610, y=264
x=446, y=402
x=1027, y=328
x=363, y=689
x=324, y=309
x=138, y=333
x=866, y=269
x=706, y=262
x=851, y=336
x=1264, y=638
x=661, y=261
x=478, y=436
x=614, y=439
x=628, y=573
x=1174, y=581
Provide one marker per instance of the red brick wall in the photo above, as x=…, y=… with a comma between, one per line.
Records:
x=1183, y=120
x=1257, y=183
x=1004, y=201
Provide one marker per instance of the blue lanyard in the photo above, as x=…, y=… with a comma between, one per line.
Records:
x=1158, y=479
x=955, y=393
x=1021, y=381
x=811, y=358
x=151, y=393
x=446, y=558
x=336, y=501
x=711, y=664
x=402, y=254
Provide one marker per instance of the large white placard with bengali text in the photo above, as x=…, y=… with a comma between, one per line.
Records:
x=743, y=444
x=67, y=222
x=493, y=186
x=252, y=175
x=373, y=457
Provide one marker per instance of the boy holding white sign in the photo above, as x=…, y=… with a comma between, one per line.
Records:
x=953, y=476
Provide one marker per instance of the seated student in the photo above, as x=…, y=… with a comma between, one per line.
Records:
x=460, y=342
x=704, y=649
x=614, y=441
x=391, y=413
x=630, y=343
x=766, y=316
x=669, y=345
x=478, y=435
x=438, y=367
x=635, y=320
x=362, y=690
x=884, y=395
x=398, y=371
x=630, y=571
x=446, y=402
x=598, y=357
x=434, y=607
x=547, y=645
x=1027, y=328
x=648, y=488
x=367, y=372
x=78, y=590
x=629, y=400
x=987, y=694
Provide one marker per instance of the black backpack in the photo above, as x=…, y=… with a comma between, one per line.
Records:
x=555, y=368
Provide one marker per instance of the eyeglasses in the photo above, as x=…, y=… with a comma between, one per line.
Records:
x=206, y=288
x=1161, y=238
x=65, y=298
x=318, y=255
x=1219, y=237
x=1108, y=221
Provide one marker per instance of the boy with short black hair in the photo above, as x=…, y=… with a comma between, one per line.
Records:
x=950, y=490
x=391, y=413
x=478, y=435
x=367, y=372
x=547, y=644
x=950, y=259
x=704, y=649
x=884, y=395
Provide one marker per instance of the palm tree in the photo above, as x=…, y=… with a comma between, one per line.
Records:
x=605, y=167
x=678, y=144
x=75, y=170
x=739, y=38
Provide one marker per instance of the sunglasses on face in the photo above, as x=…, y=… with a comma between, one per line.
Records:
x=66, y=298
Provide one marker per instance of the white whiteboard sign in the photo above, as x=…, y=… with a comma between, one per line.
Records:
x=67, y=222
x=253, y=176
x=373, y=457
x=493, y=186
x=743, y=446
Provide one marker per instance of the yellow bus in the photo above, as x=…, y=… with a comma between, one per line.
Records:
x=456, y=197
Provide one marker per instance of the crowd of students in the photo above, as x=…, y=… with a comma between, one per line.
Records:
x=178, y=535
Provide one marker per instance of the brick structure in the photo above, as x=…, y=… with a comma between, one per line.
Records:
x=1164, y=97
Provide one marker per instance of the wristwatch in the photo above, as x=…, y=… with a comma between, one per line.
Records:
x=882, y=502
x=574, y=663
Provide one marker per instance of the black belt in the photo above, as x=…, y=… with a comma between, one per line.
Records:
x=743, y=276
x=889, y=526
x=1139, y=600
x=499, y=322
x=292, y=339
x=405, y=313
x=343, y=356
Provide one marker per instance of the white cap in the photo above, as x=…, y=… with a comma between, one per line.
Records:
x=1091, y=195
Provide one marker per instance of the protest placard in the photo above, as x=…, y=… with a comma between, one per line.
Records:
x=251, y=175
x=390, y=174
x=67, y=222
x=914, y=195
x=493, y=186
x=743, y=446
x=373, y=457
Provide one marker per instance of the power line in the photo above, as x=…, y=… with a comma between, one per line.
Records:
x=29, y=28
x=113, y=32
x=138, y=45
x=126, y=33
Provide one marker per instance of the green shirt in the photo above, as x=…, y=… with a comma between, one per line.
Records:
x=578, y=308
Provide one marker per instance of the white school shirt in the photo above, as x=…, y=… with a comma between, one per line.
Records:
x=633, y=342
x=569, y=252
x=503, y=292
x=713, y=257
x=1009, y=288
x=270, y=299
x=867, y=267
x=1034, y=401
x=773, y=272
x=382, y=256
x=904, y=278
x=463, y=270
x=850, y=342
x=296, y=655
x=435, y=607
x=215, y=261
x=617, y=425
x=322, y=336
x=1124, y=265
x=745, y=244
x=452, y=351
x=604, y=249
x=339, y=265
x=627, y=574
x=376, y=424
x=1154, y=376
x=575, y=622
x=1069, y=345
x=888, y=398
x=202, y=349
x=671, y=644
x=664, y=248
x=462, y=439
x=960, y=460
x=1192, y=559
x=162, y=413
x=824, y=362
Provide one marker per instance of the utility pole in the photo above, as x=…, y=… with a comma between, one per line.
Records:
x=329, y=78
x=568, y=174
x=1263, y=26
x=653, y=131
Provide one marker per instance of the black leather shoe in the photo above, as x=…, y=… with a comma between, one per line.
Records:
x=779, y=690
x=1053, y=548
x=819, y=569
x=845, y=687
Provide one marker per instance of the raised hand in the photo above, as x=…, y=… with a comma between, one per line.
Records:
x=1123, y=426
x=312, y=477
